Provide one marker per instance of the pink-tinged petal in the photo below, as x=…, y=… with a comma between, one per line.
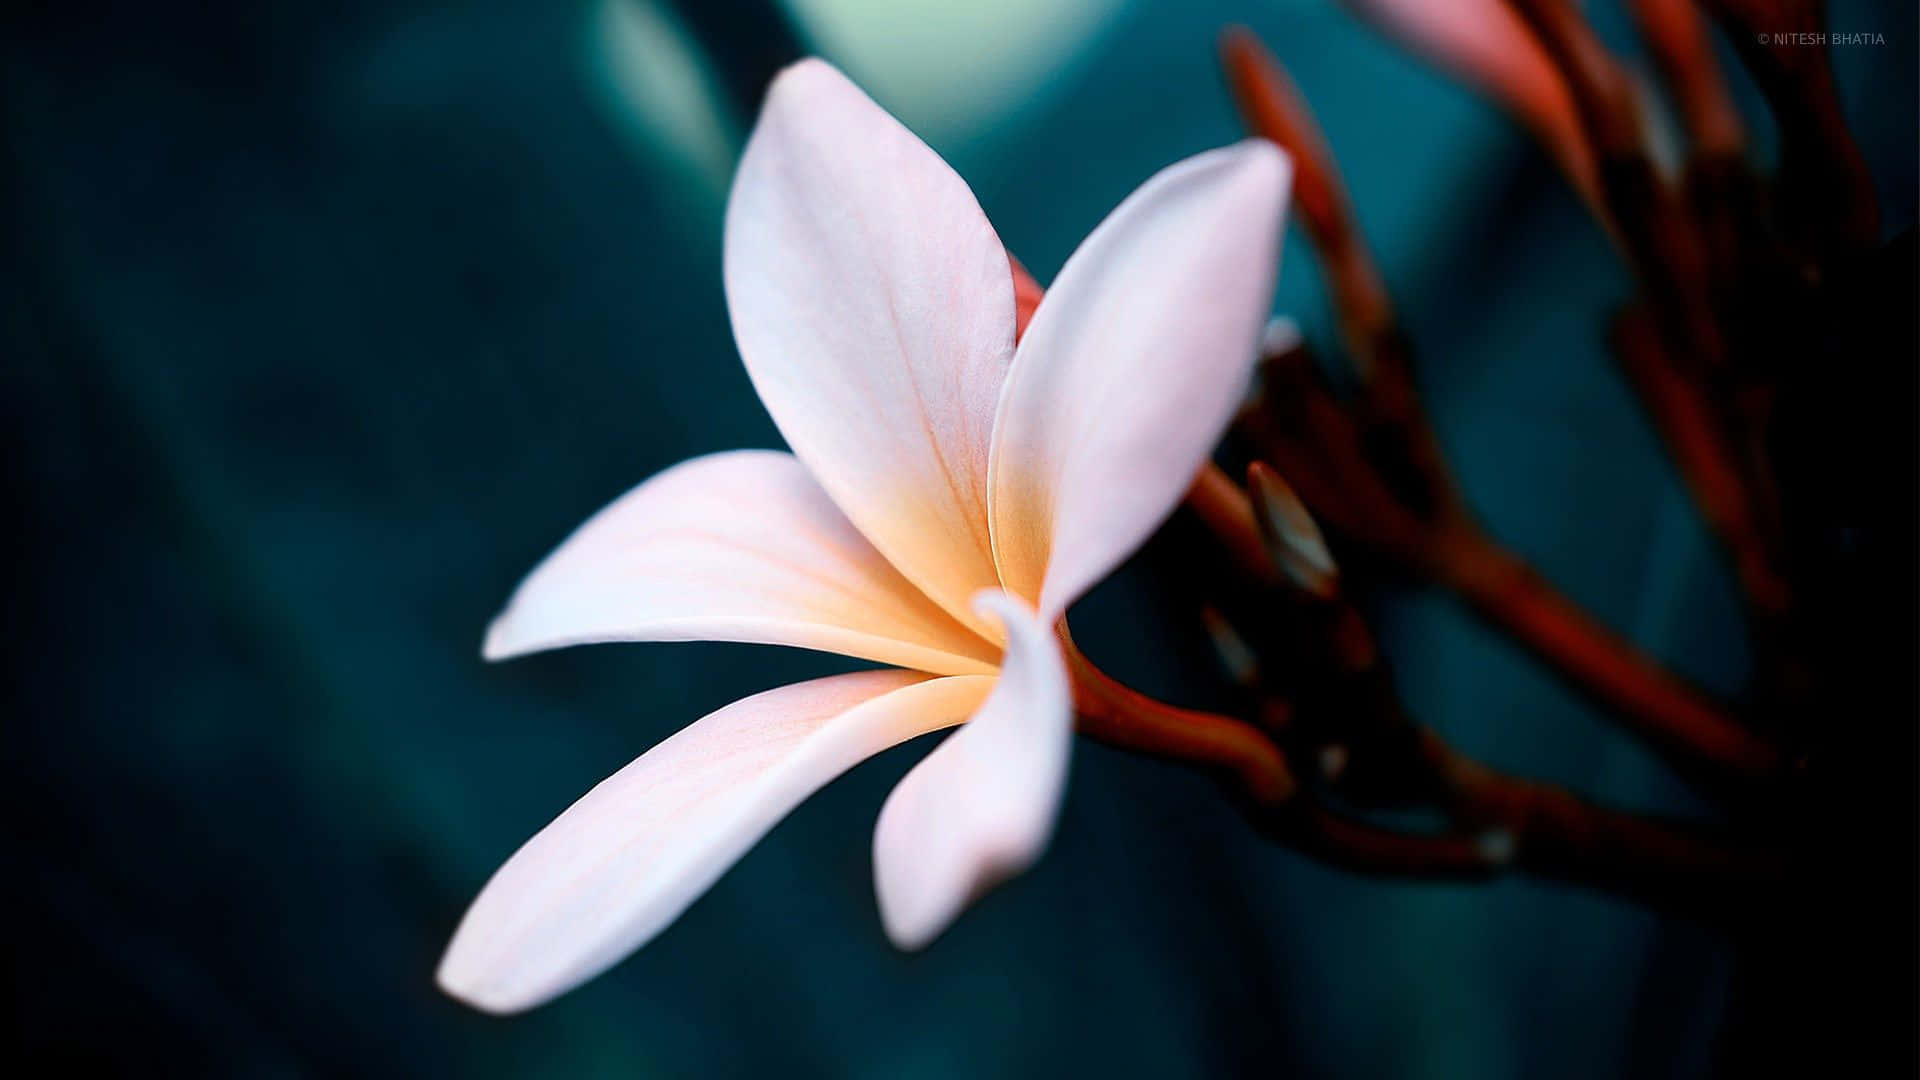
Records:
x=872, y=305
x=1131, y=368
x=740, y=546
x=1488, y=44
x=980, y=808
x=622, y=863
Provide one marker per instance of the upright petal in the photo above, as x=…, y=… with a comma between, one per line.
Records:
x=740, y=546
x=872, y=304
x=876, y=316
x=1131, y=368
x=627, y=859
x=980, y=808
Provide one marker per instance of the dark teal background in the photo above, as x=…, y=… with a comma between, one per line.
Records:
x=324, y=322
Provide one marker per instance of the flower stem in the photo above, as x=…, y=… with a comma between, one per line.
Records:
x=1124, y=717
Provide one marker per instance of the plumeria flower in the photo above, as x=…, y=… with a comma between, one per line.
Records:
x=948, y=496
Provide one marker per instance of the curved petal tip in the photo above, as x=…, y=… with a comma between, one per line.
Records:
x=981, y=807
x=621, y=864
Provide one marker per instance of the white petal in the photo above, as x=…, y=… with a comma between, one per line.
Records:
x=740, y=546
x=873, y=306
x=627, y=859
x=981, y=807
x=1131, y=368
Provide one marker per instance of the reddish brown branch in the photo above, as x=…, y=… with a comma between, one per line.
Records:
x=1713, y=417
x=1685, y=417
x=1272, y=107
x=1121, y=716
x=1683, y=48
x=1673, y=716
x=1721, y=192
x=1391, y=412
x=1700, y=737
x=1500, y=821
x=1560, y=836
x=1393, y=420
x=1829, y=204
x=1026, y=297
x=1662, y=244
x=1362, y=848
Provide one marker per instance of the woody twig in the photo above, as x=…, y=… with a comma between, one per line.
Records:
x=1370, y=465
